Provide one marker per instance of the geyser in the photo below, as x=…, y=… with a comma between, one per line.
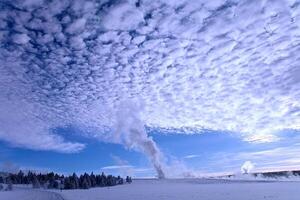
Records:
x=131, y=132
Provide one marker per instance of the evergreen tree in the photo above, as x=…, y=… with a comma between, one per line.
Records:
x=35, y=182
x=20, y=177
x=75, y=181
x=52, y=183
x=57, y=177
x=67, y=184
x=103, y=180
x=85, y=184
x=13, y=178
x=93, y=180
x=52, y=180
x=128, y=179
x=30, y=177
x=86, y=181
x=25, y=180
x=111, y=181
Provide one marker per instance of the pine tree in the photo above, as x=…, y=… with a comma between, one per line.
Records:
x=75, y=181
x=52, y=183
x=103, y=180
x=52, y=180
x=67, y=184
x=85, y=184
x=128, y=179
x=93, y=180
x=88, y=180
x=35, y=182
x=30, y=177
x=20, y=177
x=25, y=180
x=111, y=181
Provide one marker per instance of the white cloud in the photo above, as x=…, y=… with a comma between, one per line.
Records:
x=124, y=168
x=20, y=38
x=262, y=138
x=117, y=167
x=220, y=66
x=122, y=16
x=282, y=157
x=77, y=26
x=191, y=156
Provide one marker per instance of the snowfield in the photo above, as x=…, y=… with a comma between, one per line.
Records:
x=25, y=193
x=175, y=189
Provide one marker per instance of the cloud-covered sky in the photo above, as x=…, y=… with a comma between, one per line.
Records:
x=198, y=65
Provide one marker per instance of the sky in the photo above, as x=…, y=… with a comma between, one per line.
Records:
x=149, y=87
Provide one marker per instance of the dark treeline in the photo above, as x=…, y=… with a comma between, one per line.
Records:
x=278, y=174
x=55, y=181
x=275, y=174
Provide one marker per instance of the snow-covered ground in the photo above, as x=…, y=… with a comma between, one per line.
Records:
x=190, y=190
x=27, y=193
x=176, y=189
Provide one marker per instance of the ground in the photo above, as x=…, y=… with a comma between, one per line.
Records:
x=178, y=189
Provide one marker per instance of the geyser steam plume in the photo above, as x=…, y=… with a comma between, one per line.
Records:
x=131, y=132
x=247, y=167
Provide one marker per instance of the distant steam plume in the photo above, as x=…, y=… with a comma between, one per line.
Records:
x=131, y=132
x=247, y=167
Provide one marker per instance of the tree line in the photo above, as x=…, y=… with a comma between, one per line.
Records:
x=55, y=181
x=278, y=174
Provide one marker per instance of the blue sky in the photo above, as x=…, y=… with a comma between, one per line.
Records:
x=201, y=154
x=83, y=78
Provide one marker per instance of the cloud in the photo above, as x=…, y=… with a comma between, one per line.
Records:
x=191, y=156
x=265, y=157
x=20, y=38
x=221, y=65
x=117, y=167
x=123, y=15
x=273, y=156
x=124, y=168
x=129, y=170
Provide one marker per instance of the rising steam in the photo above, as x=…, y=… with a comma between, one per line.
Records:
x=247, y=167
x=131, y=132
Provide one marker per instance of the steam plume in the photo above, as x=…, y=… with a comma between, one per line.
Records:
x=247, y=167
x=131, y=132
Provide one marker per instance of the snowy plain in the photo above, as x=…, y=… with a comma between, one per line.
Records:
x=25, y=192
x=170, y=189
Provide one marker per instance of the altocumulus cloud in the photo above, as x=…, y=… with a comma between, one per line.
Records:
x=220, y=65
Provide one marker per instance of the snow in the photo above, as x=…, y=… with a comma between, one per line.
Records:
x=170, y=189
x=190, y=189
x=25, y=193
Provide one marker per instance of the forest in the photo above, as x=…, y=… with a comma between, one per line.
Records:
x=55, y=181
